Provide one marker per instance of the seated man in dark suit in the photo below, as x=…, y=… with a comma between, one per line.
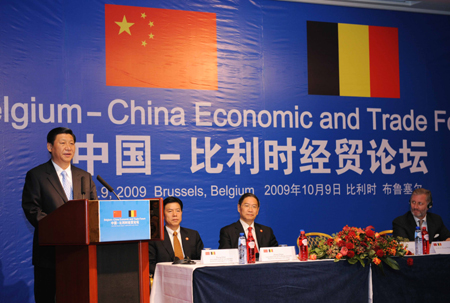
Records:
x=178, y=241
x=248, y=209
x=405, y=226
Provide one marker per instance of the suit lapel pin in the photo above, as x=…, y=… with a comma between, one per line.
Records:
x=187, y=239
x=260, y=230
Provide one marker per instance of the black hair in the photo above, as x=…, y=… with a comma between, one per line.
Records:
x=172, y=200
x=51, y=136
x=246, y=195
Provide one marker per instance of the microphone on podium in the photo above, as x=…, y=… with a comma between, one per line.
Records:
x=83, y=190
x=108, y=187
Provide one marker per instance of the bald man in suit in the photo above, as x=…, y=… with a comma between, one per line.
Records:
x=248, y=208
x=189, y=239
x=43, y=192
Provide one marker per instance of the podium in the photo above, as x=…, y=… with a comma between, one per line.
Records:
x=92, y=268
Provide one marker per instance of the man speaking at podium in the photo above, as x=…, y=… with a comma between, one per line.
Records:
x=47, y=187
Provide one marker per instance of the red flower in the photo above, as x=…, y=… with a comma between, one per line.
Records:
x=380, y=253
x=341, y=243
x=369, y=228
x=330, y=242
x=376, y=261
x=410, y=261
x=370, y=233
x=313, y=257
x=350, y=254
x=350, y=245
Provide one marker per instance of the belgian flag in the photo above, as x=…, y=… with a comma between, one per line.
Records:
x=353, y=60
x=131, y=213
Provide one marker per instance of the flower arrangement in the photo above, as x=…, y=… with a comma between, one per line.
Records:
x=357, y=245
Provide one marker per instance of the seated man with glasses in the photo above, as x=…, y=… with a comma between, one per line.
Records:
x=248, y=208
x=405, y=226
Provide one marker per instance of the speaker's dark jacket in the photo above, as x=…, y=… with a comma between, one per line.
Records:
x=42, y=194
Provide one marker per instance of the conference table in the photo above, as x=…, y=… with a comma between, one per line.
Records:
x=427, y=280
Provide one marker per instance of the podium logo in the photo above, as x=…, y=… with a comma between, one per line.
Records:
x=117, y=213
x=353, y=60
x=150, y=47
x=131, y=213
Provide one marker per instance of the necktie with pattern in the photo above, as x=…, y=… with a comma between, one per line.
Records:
x=66, y=185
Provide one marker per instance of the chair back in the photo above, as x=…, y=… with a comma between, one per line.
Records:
x=386, y=232
x=314, y=238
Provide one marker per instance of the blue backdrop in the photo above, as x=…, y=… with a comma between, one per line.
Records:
x=310, y=167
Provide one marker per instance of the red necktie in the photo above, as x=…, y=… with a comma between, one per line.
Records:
x=250, y=238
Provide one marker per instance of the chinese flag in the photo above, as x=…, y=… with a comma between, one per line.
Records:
x=150, y=47
x=117, y=214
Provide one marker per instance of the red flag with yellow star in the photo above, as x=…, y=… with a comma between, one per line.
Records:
x=150, y=47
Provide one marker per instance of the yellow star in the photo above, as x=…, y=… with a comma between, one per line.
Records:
x=124, y=26
x=150, y=36
x=143, y=15
x=151, y=23
x=144, y=43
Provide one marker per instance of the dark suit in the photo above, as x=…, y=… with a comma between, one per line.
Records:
x=162, y=251
x=42, y=194
x=229, y=235
x=405, y=226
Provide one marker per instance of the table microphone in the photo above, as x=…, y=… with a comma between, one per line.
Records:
x=110, y=189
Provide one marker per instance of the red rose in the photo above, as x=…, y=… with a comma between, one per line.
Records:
x=380, y=253
x=370, y=233
x=410, y=261
x=350, y=245
x=341, y=243
x=350, y=254
x=330, y=242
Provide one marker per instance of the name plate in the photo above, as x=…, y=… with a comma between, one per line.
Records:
x=220, y=256
x=440, y=247
x=124, y=220
x=286, y=253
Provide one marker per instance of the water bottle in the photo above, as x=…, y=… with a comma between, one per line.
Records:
x=425, y=241
x=418, y=240
x=242, y=247
x=302, y=246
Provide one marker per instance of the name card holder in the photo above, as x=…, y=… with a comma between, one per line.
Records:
x=220, y=256
x=441, y=247
x=285, y=253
